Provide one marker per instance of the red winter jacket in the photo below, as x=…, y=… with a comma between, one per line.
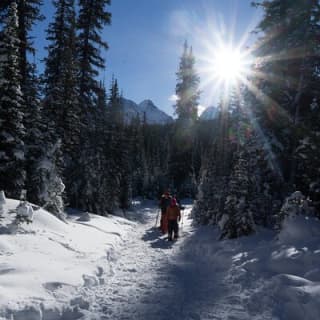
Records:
x=173, y=213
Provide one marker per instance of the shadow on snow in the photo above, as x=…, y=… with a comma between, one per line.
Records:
x=189, y=285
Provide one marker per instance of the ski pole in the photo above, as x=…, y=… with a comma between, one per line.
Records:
x=157, y=218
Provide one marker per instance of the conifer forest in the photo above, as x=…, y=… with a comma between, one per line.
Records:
x=65, y=139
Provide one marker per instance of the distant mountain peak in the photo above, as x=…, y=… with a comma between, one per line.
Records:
x=146, y=102
x=145, y=110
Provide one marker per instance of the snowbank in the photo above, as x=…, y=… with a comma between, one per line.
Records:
x=281, y=273
x=44, y=262
x=268, y=275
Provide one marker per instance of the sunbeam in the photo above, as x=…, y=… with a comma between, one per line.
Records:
x=222, y=63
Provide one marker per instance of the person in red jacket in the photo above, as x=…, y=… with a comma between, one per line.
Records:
x=164, y=204
x=173, y=216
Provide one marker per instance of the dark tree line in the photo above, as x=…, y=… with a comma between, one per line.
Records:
x=64, y=137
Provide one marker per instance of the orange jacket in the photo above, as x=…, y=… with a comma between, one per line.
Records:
x=173, y=213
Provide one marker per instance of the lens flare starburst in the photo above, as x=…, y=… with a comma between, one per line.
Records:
x=229, y=64
x=225, y=67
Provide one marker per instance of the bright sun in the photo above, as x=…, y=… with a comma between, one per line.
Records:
x=224, y=65
x=229, y=65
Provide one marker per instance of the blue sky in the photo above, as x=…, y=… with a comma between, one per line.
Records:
x=146, y=39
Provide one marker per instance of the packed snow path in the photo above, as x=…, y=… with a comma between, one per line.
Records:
x=152, y=278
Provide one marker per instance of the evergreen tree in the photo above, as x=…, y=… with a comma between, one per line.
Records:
x=60, y=78
x=61, y=106
x=28, y=15
x=138, y=157
x=212, y=192
x=155, y=166
x=216, y=170
x=92, y=18
x=237, y=219
x=28, y=12
x=48, y=178
x=288, y=59
x=239, y=187
x=34, y=143
x=93, y=159
x=181, y=164
x=114, y=104
x=181, y=168
x=187, y=88
x=11, y=108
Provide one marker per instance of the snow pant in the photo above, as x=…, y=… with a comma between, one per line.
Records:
x=173, y=227
x=164, y=223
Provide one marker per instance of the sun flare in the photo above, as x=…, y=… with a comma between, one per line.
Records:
x=229, y=65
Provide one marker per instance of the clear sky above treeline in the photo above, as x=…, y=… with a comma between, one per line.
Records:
x=146, y=39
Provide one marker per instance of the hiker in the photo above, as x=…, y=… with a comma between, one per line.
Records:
x=164, y=204
x=173, y=216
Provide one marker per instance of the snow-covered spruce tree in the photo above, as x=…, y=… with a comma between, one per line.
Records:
x=267, y=185
x=61, y=106
x=254, y=194
x=295, y=204
x=92, y=18
x=28, y=12
x=45, y=184
x=103, y=150
x=12, y=132
x=102, y=193
x=91, y=176
x=186, y=108
x=215, y=173
x=237, y=217
x=212, y=193
x=239, y=185
x=204, y=136
x=308, y=163
x=49, y=182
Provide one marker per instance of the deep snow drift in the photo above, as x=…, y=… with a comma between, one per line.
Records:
x=110, y=268
x=45, y=261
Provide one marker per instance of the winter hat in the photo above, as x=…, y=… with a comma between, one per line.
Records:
x=167, y=193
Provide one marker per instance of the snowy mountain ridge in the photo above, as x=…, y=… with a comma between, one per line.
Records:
x=145, y=110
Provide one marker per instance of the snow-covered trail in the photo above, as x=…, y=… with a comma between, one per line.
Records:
x=152, y=278
x=112, y=268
